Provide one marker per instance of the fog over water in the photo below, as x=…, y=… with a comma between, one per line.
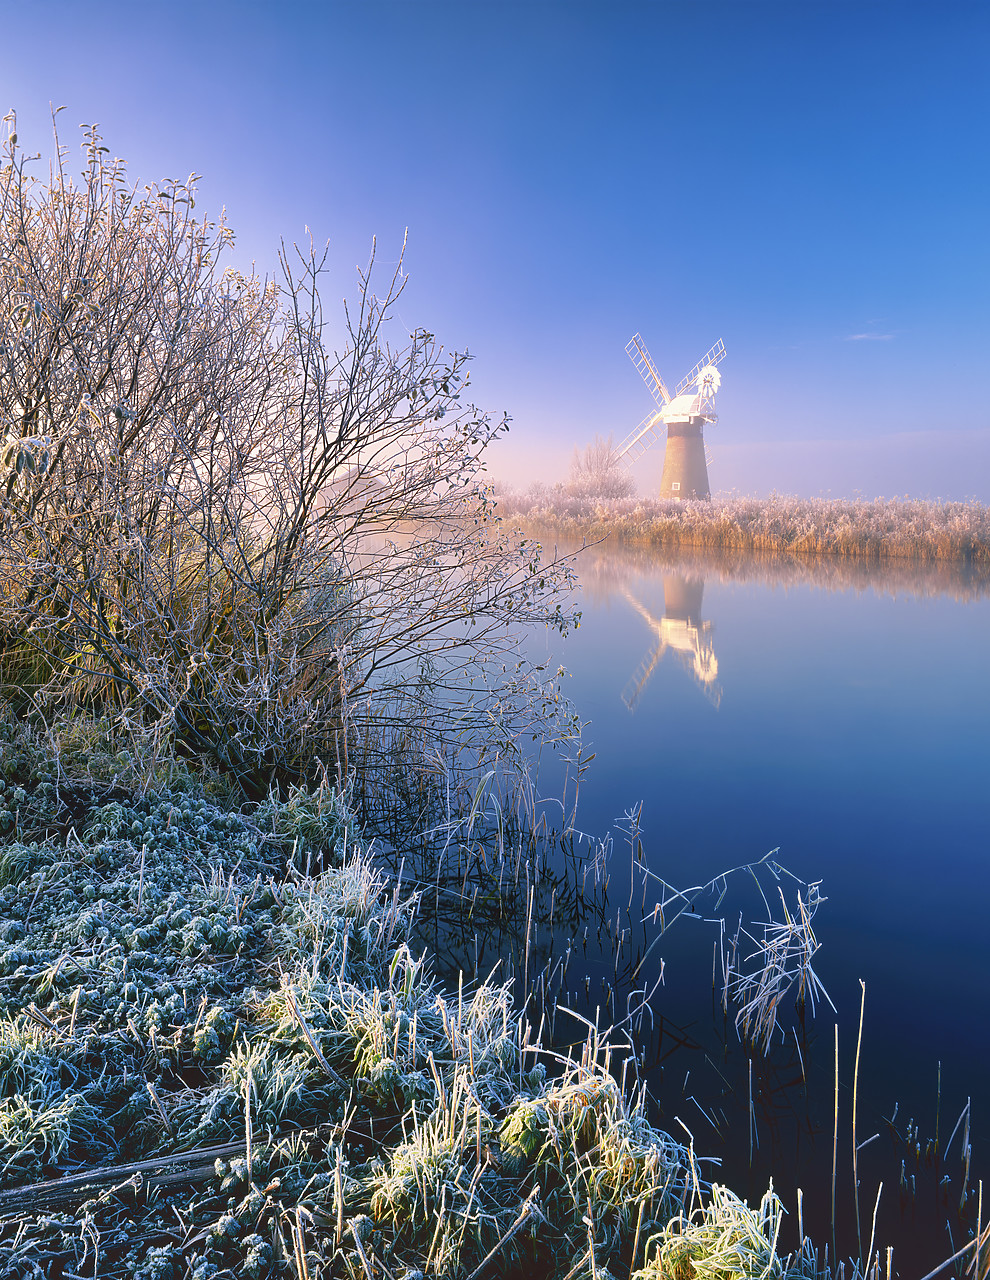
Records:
x=837, y=713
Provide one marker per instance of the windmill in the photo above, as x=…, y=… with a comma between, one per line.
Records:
x=681, y=631
x=683, y=415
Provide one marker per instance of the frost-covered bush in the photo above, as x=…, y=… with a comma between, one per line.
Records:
x=206, y=512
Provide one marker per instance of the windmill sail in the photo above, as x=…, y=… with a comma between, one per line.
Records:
x=641, y=438
x=638, y=354
x=716, y=354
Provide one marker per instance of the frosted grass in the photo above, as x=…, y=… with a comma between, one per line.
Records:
x=881, y=529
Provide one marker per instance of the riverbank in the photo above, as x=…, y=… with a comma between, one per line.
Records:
x=220, y=1055
x=878, y=531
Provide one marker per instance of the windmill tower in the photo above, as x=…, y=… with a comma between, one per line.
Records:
x=681, y=631
x=683, y=415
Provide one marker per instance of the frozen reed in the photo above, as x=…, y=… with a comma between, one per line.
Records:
x=779, y=964
x=878, y=530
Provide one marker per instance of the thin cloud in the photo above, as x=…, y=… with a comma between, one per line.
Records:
x=868, y=337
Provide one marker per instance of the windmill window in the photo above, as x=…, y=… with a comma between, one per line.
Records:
x=676, y=486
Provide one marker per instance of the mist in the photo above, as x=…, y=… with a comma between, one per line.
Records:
x=953, y=465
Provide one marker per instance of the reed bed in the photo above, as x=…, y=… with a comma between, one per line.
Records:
x=880, y=530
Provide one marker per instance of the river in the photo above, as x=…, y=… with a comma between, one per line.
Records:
x=838, y=714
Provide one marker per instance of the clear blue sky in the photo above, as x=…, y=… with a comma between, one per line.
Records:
x=808, y=181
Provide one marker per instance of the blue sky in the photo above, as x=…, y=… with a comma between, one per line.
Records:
x=807, y=181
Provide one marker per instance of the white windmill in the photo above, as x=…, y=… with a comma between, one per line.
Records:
x=683, y=416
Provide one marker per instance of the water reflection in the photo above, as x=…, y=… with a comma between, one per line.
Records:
x=605, y=566
x=681, y=631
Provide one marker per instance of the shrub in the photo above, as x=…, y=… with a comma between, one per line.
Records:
x=597, y=475
x=218, y=531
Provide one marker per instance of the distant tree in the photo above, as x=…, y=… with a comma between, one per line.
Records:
x=222, y=531
x=596, y=472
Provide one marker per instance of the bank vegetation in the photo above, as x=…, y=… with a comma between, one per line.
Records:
x=881, y=530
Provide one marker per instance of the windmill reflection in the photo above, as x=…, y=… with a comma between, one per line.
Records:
x=681, y=631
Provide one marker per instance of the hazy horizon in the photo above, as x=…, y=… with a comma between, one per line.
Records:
x=949, y=466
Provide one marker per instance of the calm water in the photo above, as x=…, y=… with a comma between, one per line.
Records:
x=843, y=718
